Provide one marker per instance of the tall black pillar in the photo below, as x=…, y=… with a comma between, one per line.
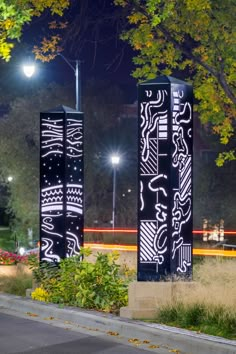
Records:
x=165, y=179
x=61, y=183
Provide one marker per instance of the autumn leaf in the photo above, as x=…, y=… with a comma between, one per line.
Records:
x=32, y=314
x=113, y=333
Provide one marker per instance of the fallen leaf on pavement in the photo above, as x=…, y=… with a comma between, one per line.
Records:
x=113, y=333
x=153, y=346
x=32, y=314
x=135, y=341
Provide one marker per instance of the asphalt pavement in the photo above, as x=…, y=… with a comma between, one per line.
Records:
x=32, y=327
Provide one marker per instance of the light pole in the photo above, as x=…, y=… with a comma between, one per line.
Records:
x=29, y=70
x=76, y=70
x=115, y=160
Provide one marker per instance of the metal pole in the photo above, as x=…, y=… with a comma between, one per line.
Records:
x=77, y=86
x=114, y=198
x=76, y=70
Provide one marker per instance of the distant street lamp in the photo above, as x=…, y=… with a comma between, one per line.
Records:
x=29, y=70
x=115, y=160
x=9, y=179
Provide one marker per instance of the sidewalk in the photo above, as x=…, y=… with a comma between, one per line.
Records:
x=186, y=341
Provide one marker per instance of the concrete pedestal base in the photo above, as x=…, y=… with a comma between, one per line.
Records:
x=144, y=298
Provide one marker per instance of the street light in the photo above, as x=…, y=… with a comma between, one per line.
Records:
x=115, y=160
x=9, y=179
x=29, y=70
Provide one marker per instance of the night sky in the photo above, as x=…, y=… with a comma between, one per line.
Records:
x=93, y=38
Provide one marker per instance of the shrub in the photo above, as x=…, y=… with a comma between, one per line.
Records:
x=99, y=284
x=40, y=295
x=78, y=282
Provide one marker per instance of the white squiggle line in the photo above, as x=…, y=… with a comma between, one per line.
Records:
x=51, y=233
x=52, y=120
x=52, y=133
x=51, y=140
x=45, y=229
x=51, y=200
x=53, y=189
x=75, y=142
x=75, y=155
x=47, y=247
x=181, y=113
x=50, y=145
x=75, y=241
x=47, y=223
x=157, y=237
x=55, y=127
x=141, y=196
x=53, y=152
x=74, y=185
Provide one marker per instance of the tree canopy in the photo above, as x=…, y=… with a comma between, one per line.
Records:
x=196, y=37
x=19, y=152
x=15, y=14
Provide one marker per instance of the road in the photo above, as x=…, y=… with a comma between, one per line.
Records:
x=21, y=335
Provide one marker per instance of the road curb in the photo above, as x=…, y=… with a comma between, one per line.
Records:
x=185, y=341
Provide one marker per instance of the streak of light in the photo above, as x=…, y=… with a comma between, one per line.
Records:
x=134, y=231
x=133, y=248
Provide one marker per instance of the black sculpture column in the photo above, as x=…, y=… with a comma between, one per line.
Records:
x=165, y=179
x=61, y=183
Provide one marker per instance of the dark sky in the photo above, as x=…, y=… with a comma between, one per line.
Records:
x=93, y=38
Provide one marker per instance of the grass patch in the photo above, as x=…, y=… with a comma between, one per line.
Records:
x=17, y=284
x=209, y=305
x=214, y=320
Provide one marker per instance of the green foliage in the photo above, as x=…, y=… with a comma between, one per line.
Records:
x=6, y=241
x=214, y=192
x=80, y=283
x=19, y=154
x=215, y=320
x=15, y=15
x=100, y=285
x=195, y=37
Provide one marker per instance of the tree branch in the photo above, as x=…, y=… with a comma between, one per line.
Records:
x=188, y=53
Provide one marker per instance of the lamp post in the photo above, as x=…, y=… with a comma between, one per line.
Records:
x=115, y=160
x=29, y=70
x=76, y=70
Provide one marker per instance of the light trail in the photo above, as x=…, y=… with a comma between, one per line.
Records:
x=134, y=231
x=133, y=248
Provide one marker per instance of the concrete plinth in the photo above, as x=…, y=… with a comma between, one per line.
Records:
x=144, y=298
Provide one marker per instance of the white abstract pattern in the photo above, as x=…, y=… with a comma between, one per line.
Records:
x=182, y=160
x=61, y=179
x=153, y=237
x=165, y=179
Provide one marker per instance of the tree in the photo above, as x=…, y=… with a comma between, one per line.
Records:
x=105, y=134
x=197, y=37
x=15, y=15
x=19, y=153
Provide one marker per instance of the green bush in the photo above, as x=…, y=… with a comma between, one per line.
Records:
x=80, y=283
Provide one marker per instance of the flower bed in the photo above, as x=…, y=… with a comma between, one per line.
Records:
x=8, y=258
